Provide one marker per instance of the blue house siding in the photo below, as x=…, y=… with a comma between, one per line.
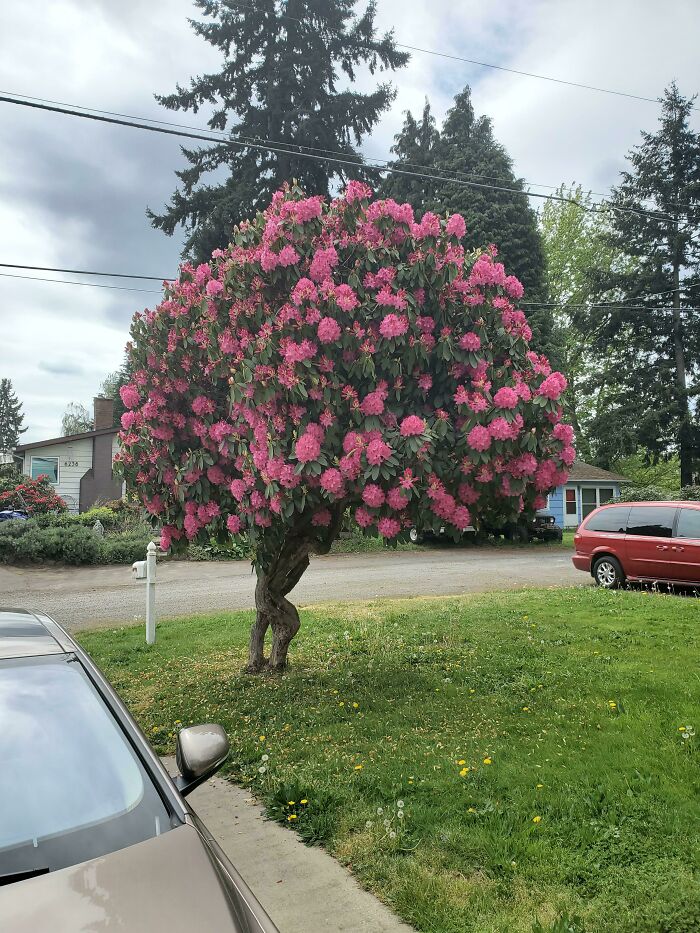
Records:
x=557, y=500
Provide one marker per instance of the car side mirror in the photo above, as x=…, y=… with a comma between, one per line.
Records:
x=201, y=750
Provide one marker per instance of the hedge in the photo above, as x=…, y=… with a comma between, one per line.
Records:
x=33, y=542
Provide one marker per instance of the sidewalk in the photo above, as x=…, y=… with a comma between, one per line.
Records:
x=303, y=889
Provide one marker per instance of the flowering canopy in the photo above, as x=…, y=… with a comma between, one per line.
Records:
x=37, y=495
x=340, y=355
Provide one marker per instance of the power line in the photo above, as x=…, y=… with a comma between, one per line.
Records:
x=471, y=61
x=122, y=288
x=109, y=275
x=393, y=169
x=608, y=304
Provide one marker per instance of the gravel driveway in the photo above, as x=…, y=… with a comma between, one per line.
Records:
x=85, y=597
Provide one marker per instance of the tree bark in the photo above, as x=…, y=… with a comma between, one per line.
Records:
x=272, y=608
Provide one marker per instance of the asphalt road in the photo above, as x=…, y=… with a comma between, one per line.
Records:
x=86, y=597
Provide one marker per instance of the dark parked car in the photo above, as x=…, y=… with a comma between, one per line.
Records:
x=640, y=541
x=541, y=526
x=94, y=834
x=8, y=515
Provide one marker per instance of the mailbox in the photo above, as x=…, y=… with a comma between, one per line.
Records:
x=138, y=570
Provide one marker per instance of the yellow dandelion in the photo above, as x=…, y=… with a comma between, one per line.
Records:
x=292, y=816
x=355, y=705
x=359, y=767
x=464, y=772
x=341, y=703
x=262, y=738
x=487, y=761
x=304, y=800
x=526, y=709
x=537, y=819
x=540, y=786
x=471, y=810
x=461, y=761
x=291, y=803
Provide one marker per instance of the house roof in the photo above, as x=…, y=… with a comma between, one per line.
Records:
x=585, y=472
x=65, y=440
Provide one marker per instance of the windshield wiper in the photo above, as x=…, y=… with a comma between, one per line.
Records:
x=22, y=875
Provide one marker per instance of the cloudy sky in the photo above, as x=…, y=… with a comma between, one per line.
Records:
x=73, y=194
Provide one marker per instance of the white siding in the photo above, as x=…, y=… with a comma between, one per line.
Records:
x=74, y=460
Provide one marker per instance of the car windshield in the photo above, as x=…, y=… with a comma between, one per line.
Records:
x=71, y=785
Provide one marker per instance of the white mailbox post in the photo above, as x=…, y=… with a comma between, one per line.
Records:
x=151, y=593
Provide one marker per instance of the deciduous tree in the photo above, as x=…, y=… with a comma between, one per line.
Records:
x=337, y=356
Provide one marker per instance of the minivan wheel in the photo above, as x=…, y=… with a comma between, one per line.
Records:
x=607, y=573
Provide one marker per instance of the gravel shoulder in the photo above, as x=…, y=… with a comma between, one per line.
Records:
x=90, y=597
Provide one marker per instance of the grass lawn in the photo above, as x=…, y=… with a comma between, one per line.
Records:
x=531, y=742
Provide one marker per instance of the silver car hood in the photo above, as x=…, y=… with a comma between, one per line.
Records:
x=167, y=883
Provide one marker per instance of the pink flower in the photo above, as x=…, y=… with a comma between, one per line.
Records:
x=307, y=448
x=214, y=287
x=388, y=527
x=500, y=429
x=479, y=438
x=356, y=191
x=332, y=481
x=233, y=523
x=461, y=518
x=568, y=455
x=562, y=432
x=513, y=287
x=130, y=395
x=203, y=405
x=288, y=256
x=321, y=518
x=470, y=341
x=412, y=425
x=128, y=419
x=553, y=386
x=378, y=452
x=372, y=404
x=304, y=290
x=328, y=330
x=238, y=489
x=323, y=263
x=363, y=518
x=393, y=325
x=456, y=226
x=373, y=495
x=396, y=499
x=506, y=398
x=216, y=476
x=346, y=298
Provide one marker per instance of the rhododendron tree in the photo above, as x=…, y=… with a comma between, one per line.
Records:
x=337, y=358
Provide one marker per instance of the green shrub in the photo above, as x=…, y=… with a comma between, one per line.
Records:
x=658, y=494
x=691, y=493
x=124, y=548
x=30, y=541
x=101, y=513
x=78, y=545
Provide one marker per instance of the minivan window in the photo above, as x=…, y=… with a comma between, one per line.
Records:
x=71, y=786
x=653, y=520
x=689, y=524
x=612, y=520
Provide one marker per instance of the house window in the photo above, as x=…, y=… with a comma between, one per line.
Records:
x=589, y=501
x=45, y=466
x=571, y=502
x=605, y=494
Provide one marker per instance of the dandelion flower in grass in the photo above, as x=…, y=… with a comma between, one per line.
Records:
x=487, y=761
x=392, y=835
x=380, y=810
x=368, y=824
x=399, y=813
x=399, y=804
x=292, y=816
x=359, y=767
x=464, y=772
x=461, y=761
x=355, y=705
x=262, y=769
x=537, y=819
x=291, y=803
x=304, y=800
x=262, y=738
x=471, y=810
x=540, y=786
x=526, y=709
x=265, y=758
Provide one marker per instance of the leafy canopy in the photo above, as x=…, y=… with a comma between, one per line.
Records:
x=339, y=356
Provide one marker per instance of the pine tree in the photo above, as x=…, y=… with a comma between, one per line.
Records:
x=11, y=417
x=466, y=149
x=658, y=346
x=282, y=84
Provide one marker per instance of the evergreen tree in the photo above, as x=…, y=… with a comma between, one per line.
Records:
x=11, y=417
x=466, y=149
x=658, y=346
x=281, y=84
x=111, y=385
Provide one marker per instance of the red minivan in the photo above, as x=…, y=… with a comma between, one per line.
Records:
x=640, y=541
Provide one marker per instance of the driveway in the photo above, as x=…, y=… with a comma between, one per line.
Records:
x=84, y=597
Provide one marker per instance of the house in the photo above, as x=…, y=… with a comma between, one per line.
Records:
x=79, y=465
x=587, y=488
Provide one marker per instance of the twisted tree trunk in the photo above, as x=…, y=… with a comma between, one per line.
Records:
x=272, y=608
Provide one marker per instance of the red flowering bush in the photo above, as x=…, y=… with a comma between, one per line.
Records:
x=337, y=355
x=37, y=495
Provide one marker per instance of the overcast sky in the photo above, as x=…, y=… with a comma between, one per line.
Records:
x=73, y=193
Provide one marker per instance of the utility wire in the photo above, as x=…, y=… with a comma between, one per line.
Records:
x=605, y=304
x=393, y=169
x=109, y=275
x=36, y=278
x=362, y=158
x=471, y=61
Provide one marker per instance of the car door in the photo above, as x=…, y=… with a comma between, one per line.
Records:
x=648, y=541
x=685, y=546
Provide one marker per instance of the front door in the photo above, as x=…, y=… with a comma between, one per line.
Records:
x=648, y=541
x=685, y=546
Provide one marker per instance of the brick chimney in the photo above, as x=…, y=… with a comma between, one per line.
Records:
x=104, y=412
